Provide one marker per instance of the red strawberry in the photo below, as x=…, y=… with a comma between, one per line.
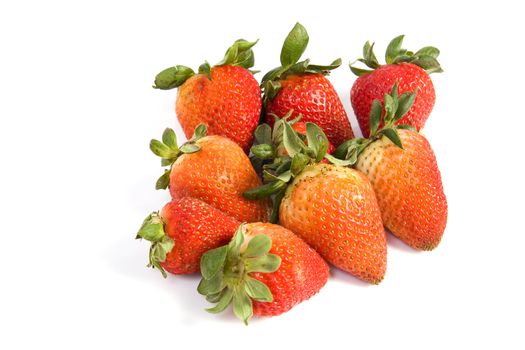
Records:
x=213, y=169
x=410, y=70
x=333, y=208
x=302, y=88
x=185, y=229
x=265, y=271
x=226, y=97
x=404, y=173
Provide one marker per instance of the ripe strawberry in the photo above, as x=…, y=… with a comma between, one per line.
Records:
x=185, y=229
x=404, y=173
x=411, y=70
x=302, y=88
x=333, y=208
x=225, y=97
x=213, y=169
x=265, y=271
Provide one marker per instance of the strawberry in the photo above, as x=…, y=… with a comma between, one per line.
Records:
x=213, y=169
x=225, y=97
x=410, y=70
x=333, y=208
x=302, y=88
x=185, y=229
x=264, y=271
x=403, y=170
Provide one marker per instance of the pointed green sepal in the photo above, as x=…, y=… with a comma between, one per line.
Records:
x=239, y=54
x=172, y=77
x=152, y=229
x=226, y=274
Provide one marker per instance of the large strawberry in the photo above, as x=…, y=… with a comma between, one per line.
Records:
x=185, y=229
x=333, y=208
x=302, y=88
x=265, y=271
x=225, y=97
x=213, y=169
x=404, y=173
x=410, y=70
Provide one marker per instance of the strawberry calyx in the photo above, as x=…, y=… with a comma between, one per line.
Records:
x=395, y=107
x=152, y=229
x=285, y=166
x=239, y=54
x=293, y=47
x=169, y=151
x=226, y=274
x=425, y=57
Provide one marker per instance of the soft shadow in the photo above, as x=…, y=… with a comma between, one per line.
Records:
x=397, y=244
x=346, y=277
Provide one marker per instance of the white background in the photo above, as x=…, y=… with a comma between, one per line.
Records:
x=77, y=111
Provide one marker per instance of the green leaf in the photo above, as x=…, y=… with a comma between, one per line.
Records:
x=428, y=51
x=258, y=246
x=170, y=139
x=163, y=181
x=299, y=162
x=294, y=45
x=265, y=190
x=429, y=64
x=242, y=304
x=257, y=290
x=389, y=108
x=315, y=68
x=394, y=49
x=213, y=261
x=393, y=136
x=225, y=299
x=264, y=151
x=160, y=149
x=359, y=71
x=265, y=263
x=369, y=57
x=276, y=205
x=188, y=148
x=376, y=112
x=317, y=140
x=205, y=69
x=239, y=54
x=200, y=132
x=338, y=161
x=213, y=285
x=406, y=100
x=291, y=141
x=406, y=127
x=172, y=77
x=152, y=228
x=263, y=134
x=234, y=247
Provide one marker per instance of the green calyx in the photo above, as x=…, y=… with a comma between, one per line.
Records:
x=395, y=107
x=293, y=47
x=226, y=274
x=239, y=54
x=285, y=154
x=425, y=58
x=152, y=229
x=169, y=151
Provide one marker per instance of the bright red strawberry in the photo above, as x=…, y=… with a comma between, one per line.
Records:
x=213, y=169
x=333, y=208
x=302, y=88
x=226, y=97
x=404, y=173
x=264, y=271
x=185, y=229
x=410, y=70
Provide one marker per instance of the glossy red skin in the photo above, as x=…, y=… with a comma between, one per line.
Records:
x=195, y=228
x=302, y=272
x=408, y=186
x=229, y=104
x=314, y=97
x=218, y=174
x=375, y=85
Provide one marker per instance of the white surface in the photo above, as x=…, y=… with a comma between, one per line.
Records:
x=77, y=111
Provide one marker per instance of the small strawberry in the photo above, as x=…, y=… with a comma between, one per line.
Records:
x=264, y=271
x=302, y=88
x=410, y=70
x=213, y=169
x=225, y=97
x=185, y=229
x=404, y=173
x=333, y=208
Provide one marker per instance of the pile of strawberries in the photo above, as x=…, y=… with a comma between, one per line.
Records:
x=280, y=187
